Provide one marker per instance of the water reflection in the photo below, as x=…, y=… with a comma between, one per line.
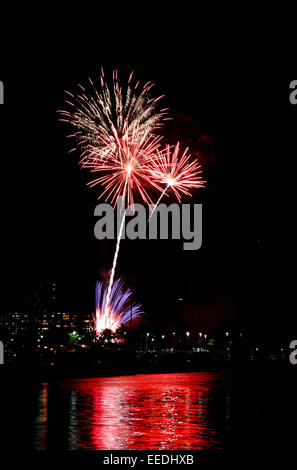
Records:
x=160, y=411
x=41, y=422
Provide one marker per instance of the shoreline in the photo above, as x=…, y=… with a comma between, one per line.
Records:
x=43, y=374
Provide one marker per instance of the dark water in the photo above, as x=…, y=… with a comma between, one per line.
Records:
x=252, y=408
x=161, y=411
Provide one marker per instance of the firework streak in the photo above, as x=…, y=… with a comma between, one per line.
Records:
x=118, y=310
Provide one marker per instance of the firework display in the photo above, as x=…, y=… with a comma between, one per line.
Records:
x=116, y=135
x=117, y=310
x=175, y=170
x=125, y=171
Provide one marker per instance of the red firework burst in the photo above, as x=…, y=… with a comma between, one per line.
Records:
x=176, y=171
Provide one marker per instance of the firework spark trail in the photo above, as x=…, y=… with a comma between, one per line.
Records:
x=115, y=258
x=157, y=203
x=120, y=309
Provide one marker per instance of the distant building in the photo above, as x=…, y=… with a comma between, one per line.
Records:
x=16, y=323
x=39, y=312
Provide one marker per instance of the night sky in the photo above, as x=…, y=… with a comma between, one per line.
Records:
x=236, y=102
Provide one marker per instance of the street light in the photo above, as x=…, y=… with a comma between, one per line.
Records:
x=187, y=334
x=147, y=335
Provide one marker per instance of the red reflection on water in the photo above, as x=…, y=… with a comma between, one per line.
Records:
x=157, y=411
